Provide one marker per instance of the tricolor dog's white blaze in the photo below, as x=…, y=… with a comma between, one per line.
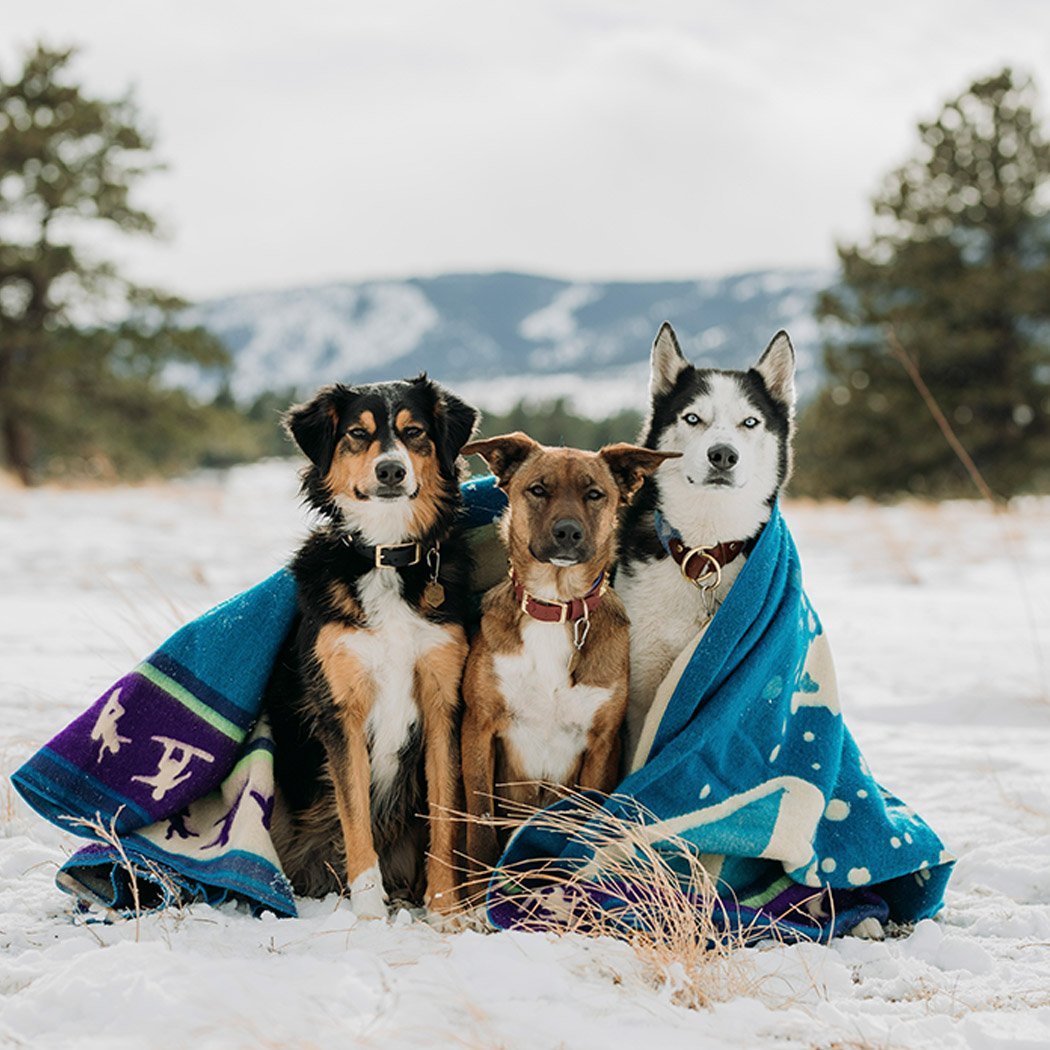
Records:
x=382, y=520
x=550, y=717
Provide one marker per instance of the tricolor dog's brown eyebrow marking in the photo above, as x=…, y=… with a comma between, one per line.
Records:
x=366, y=420
x=405, y=419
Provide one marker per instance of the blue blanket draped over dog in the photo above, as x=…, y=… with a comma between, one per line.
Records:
x=170, y=772
x=749, y=765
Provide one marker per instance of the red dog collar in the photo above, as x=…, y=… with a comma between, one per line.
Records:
x=699, y=564
x=553, y=611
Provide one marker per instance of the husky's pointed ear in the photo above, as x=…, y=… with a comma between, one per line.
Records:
x=667, y=362
x=631, y=465
x=503, y=454
x=777, y=369
x=455, y=423
x=312, y=425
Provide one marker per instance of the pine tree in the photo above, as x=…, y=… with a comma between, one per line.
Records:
x=957, y=274
x=76, y=388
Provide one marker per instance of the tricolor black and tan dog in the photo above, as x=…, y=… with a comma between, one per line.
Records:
x=546, y=681
x=687, y=535
x=364, y=699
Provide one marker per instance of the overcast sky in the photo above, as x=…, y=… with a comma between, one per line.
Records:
x=311, y=142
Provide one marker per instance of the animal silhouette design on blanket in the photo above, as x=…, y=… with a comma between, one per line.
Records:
x=746, y=760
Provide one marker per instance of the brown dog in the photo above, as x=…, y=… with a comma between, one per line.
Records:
x=546, y=679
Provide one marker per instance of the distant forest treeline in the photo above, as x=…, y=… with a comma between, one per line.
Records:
x=944, y=312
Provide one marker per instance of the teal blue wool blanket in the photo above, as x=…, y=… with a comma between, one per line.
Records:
x=170, y=772
x=746, y=762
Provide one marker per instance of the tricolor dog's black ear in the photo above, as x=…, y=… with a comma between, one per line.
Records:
x=314, y=424
x=455, y=423
x=503, y=454
x=631, y=465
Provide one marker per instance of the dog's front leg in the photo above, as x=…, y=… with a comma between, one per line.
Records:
x=438, y=677
x=351, y=777
x=352, y=692
x=601, y=765
x=479, y=762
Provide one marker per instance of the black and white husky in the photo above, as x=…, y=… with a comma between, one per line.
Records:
x=688, y=533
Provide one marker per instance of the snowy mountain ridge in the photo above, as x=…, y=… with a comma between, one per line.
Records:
x=502, y=337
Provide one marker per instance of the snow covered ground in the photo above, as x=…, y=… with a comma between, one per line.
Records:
x=935, y=614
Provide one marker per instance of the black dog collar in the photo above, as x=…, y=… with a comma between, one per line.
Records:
x=390, y=555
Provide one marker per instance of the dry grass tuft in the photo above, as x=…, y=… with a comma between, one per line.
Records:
x=158, y=881
x=107, y=833
x=670, y=915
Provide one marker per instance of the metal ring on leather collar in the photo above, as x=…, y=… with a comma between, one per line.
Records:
x=714, y=571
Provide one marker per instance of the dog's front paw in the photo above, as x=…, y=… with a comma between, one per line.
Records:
x=473, y=919
x=869, y=929
x=367, y=896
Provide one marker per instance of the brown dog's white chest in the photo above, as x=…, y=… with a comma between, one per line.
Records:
x=549, y=718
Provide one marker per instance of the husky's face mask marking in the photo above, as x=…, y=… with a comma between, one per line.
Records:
x=726, y=439
x=733, y=429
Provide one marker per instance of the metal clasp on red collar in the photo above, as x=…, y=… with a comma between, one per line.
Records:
x=712, y=577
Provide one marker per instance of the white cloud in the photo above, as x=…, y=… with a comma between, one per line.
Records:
x=318, y=141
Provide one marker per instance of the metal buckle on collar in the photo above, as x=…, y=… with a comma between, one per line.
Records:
x=382, y=548
x=563, y=606
x=713, y=575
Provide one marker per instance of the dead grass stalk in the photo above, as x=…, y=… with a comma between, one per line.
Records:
x=657, y=896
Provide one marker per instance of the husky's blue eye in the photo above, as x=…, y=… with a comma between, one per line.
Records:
x=359, y=433
x=691, y=418
x=750, y=423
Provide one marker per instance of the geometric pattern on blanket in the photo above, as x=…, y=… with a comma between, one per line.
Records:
x=746, y=761
x=175, y=758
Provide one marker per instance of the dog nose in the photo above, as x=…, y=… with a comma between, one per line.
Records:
x=567, y=532
x=724, y=457
x=390, y=472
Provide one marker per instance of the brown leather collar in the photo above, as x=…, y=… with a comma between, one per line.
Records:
x=553, y=611
x=700, y=564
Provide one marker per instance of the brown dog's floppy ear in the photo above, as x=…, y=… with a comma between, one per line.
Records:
x=503, y=454
x=313, y=425
x=631, y=465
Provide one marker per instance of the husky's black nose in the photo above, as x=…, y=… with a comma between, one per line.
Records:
x=567, y=533
x=390, y=472
x=723, y=457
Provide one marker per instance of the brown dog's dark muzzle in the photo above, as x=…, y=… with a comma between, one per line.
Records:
x=568, y=541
